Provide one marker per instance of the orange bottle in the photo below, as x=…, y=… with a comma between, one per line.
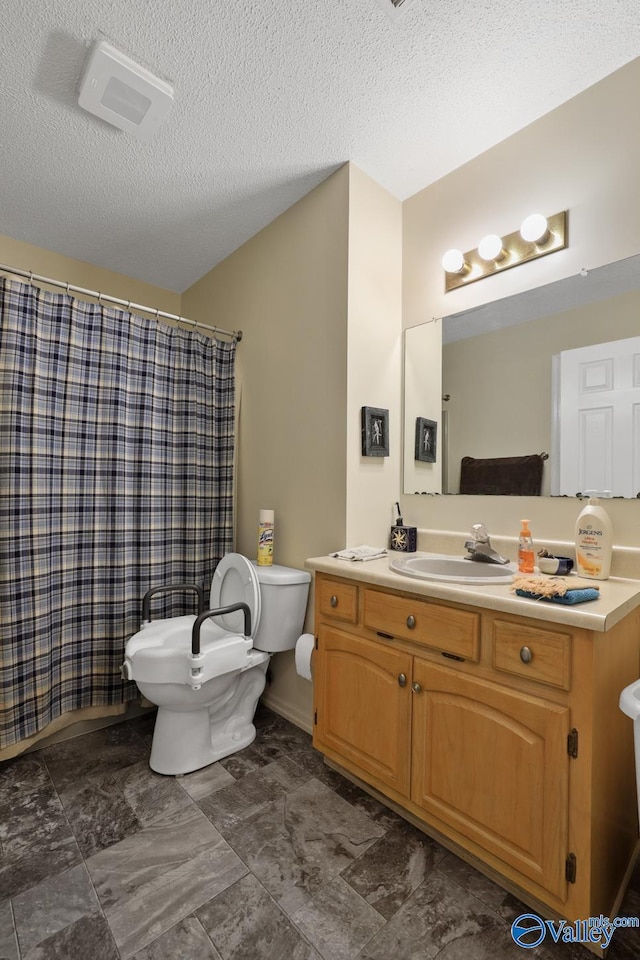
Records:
x=525, y=549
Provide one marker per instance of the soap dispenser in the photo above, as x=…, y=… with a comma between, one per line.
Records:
x=403, y=538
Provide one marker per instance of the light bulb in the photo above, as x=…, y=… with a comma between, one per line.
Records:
x=534, y=229
x=453, y=261
x=490, y=247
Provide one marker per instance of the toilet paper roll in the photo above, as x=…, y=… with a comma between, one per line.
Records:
x=304, y=649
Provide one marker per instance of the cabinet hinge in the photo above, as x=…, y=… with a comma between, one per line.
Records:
x=572, y=743
x=570, y=868
x=315, y=717
x=316, y=643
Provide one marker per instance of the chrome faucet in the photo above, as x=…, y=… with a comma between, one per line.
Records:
x=479, y=546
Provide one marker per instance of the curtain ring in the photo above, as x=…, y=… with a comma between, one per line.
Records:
x=157, y=313
x=129, y=307
x=31, y=276
x=67, y=288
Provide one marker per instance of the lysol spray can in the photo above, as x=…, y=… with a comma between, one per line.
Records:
x=265, y=538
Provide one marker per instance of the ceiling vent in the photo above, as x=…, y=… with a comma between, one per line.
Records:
x=394, y=8
x=122, y=92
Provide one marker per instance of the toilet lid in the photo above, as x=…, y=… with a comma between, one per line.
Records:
x=235, y=580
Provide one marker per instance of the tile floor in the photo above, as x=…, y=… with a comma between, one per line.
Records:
x=267, y=855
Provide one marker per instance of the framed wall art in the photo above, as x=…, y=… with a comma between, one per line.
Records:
x=426, y=440
x=375, y=432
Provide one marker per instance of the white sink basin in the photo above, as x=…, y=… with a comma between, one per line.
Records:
x=439, y=566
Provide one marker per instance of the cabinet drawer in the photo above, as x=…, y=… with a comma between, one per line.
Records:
x=337, y=600
x=452, y=631
x=541, y=655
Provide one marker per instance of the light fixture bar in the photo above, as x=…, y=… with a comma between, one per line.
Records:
x=515, y=251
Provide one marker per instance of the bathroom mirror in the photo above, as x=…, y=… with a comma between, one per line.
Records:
x=499, y=374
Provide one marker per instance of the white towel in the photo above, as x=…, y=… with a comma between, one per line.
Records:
x=360, y=553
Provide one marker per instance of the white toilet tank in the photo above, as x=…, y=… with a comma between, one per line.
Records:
x=284, y=592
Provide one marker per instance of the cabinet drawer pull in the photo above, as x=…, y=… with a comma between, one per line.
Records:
x=525, y=655
x=411, y=621
x=415, y=686
x=334, y=601
x=402, y=680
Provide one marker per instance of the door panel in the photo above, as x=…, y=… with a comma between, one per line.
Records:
x=363, y=711
x=494, y=765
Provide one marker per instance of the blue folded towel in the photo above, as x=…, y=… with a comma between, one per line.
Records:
x=577, y=595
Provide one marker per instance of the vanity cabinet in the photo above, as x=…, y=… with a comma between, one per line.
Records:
x=497, y=734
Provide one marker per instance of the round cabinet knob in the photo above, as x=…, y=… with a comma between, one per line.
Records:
x=411, y=621
x=402, y=680
x=415, y=686
x=334, y=601
x=525, y=655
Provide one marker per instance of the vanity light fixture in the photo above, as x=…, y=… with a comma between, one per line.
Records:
x=537, y=236
x=535, y=229
x=491, y=248
x=454, y=262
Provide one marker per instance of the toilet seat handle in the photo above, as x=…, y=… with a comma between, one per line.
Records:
x=218, y=612
x=146, y=601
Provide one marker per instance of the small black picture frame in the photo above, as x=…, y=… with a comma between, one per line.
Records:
x=375, y=432
x=426, y=440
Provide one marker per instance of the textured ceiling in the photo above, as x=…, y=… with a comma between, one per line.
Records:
x=271, y=96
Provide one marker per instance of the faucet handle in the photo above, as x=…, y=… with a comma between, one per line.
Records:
x=480, y=533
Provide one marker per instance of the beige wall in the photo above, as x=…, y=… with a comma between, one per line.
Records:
x=582, y=157
x=25, y=256
x=286, y=288
x=374, y=355
x=317, y=294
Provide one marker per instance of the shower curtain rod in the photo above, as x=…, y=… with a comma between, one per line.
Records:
x=234, y=334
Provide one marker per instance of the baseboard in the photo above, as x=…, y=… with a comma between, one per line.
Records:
x=284, y=709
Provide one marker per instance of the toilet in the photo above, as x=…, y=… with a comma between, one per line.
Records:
x=206, y=673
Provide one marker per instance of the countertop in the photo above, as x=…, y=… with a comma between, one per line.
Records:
x=618, y=597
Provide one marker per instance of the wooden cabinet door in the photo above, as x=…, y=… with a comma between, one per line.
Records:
x=363, y=706
x=493, y=764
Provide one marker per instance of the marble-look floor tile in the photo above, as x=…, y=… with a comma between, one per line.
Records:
x=247, y=761
x=99, y=813
x=8, y=942
x=36, y=839
x=298, y=843
x=53, y=905
x=363, y=801
x=93, y=755
x=87, y=937
x=337, y=921
x=389, y=872
x=187, y=940
x=154, y=878
x=441, y=915
x=144, y=725
x=45, y=858
x=472, y=880
x=30, y=809
x=244, y=923
x=201, y=783
x=150, y=795
x=245, y=797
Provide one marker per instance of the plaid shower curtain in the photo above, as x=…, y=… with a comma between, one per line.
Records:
x=116, y=472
